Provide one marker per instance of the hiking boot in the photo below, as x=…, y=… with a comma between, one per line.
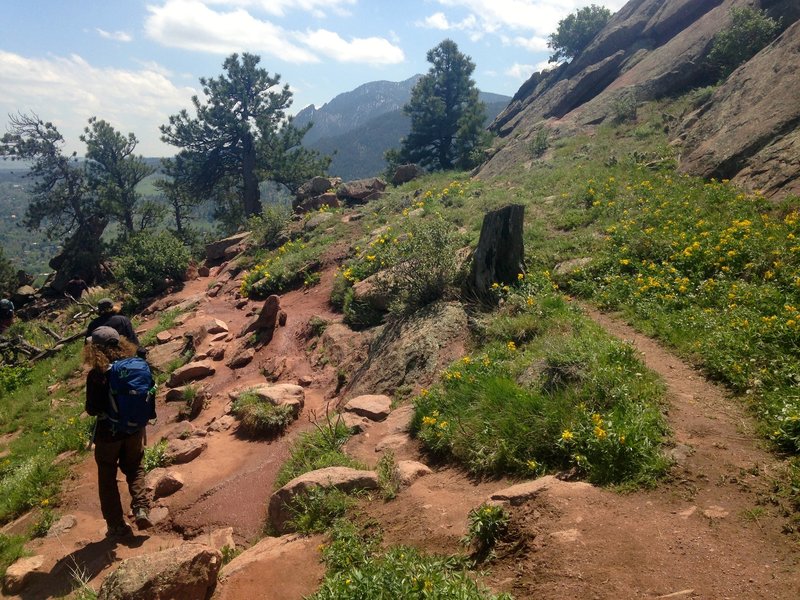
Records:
x=142, y=518
x=119, y=531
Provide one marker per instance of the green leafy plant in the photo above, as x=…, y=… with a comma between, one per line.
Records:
x=486, y=525
x=42, y=524
x=316, y=510
x=267, y=227
x=540, y=143
x=155, y=456
x=387, y=475
x=12, y=547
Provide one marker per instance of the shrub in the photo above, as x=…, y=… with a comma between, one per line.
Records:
x=576, y=31
x=155, y=456
x=316, y=511
x=147, y=261
x=486, y=525
x=357, y=568
x=750, y=31
x=387, y=475
x=12, y=547
x=423, y=265
x=267, y=227
x=289, y=267
x=260, y=417
x=540, y=143
x=8, y=276
x=624, y=108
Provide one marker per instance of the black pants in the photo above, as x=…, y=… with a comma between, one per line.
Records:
x=125, y=453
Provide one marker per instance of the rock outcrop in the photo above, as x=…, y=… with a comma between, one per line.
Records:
x=186, y=572
x=654, y=48
x=749, y=130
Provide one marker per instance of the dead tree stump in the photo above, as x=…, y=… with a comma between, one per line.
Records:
x=500, y=255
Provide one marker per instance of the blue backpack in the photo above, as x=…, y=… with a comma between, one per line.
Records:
x=132, y=398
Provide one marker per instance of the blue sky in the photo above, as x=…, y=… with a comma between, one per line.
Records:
x=135, y=62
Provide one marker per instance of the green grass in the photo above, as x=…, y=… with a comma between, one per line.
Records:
x=12, y=547
x=155, y=456
x=317, y=449
x=165, y=321
x=569, y=397
x=359, y=568
x=288, y=267
x=259, y=417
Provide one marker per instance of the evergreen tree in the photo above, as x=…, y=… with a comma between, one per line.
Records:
x=446, y=115
x=576, y=31
x=241, y=135
x=114, y=171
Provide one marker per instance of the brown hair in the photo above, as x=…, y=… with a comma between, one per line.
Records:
x=96, y=356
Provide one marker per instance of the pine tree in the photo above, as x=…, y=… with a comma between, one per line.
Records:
x=241, y=135
x=446, y=115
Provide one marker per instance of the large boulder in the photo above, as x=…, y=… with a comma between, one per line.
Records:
x=344, y=479
x=749, y=130
x=161, y=356
x=185, y=572
x=316, y=186
x=410, y=351
x=216, y=251
x=375, y=407
x=180, y=452
x=405, y=173
x=328, y=199
x=361, y=190
x=191, y=372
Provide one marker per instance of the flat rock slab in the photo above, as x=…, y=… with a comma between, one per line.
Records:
x=344, y=479
x=159, y=357
x=185, y=572
x=408, y=471
x=355, y=423
x=215, y=326
x=221, y=538
x=18, y=574
x=528, y=490
x=242, y=358
x=183, y=451
x=393, y=442
x=375, y=407
x=162, y=337
x=191, y=372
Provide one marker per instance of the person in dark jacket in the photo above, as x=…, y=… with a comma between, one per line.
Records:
x=6, y=314
x=114, y=449
x=109, y=316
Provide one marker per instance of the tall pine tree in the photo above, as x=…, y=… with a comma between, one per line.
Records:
x=241, y=136
x=446, y=115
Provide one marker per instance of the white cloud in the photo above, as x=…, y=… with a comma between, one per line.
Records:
x=278, y=8
x=137, y=101
x=532, y=44
x=519, y=71
x=372, y=50
x=117, y=36
x=191, y=25
x=538, y=16
x=439, y=21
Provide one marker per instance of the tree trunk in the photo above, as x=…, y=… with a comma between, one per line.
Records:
x=500, y=255
x=252, y=197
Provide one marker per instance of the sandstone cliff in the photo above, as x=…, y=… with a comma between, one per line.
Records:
x=653, y=48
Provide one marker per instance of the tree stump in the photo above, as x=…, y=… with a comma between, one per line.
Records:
x=500, y=255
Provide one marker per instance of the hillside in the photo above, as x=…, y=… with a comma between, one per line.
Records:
x=653, y=49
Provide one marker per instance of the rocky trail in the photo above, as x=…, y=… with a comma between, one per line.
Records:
x=706, y=532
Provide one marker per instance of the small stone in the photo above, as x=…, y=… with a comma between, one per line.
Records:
x=355, y=423
x=393, y=442
x=305, y=380
x=18, y=574
x=63, y=525
x=168, y=484
x=162, y=337
x=158, y=514
x=408, y=471
x=242, y=358
x=183, y=451
x=217, y=353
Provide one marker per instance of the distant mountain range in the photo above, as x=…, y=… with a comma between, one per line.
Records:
x=359, y=126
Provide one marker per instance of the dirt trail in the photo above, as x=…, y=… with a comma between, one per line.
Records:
x=702, y=534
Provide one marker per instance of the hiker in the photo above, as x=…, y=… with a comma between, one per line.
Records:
x=6, y=314
x=120, y=392
x=109, y=315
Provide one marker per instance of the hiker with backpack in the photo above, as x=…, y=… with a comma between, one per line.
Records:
x=6, y=314
x=109, y=315
x=120, y=392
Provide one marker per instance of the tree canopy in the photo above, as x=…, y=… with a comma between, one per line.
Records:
x=239, y=136
x=750, y=31
x=446, y=115
x=576, y=31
